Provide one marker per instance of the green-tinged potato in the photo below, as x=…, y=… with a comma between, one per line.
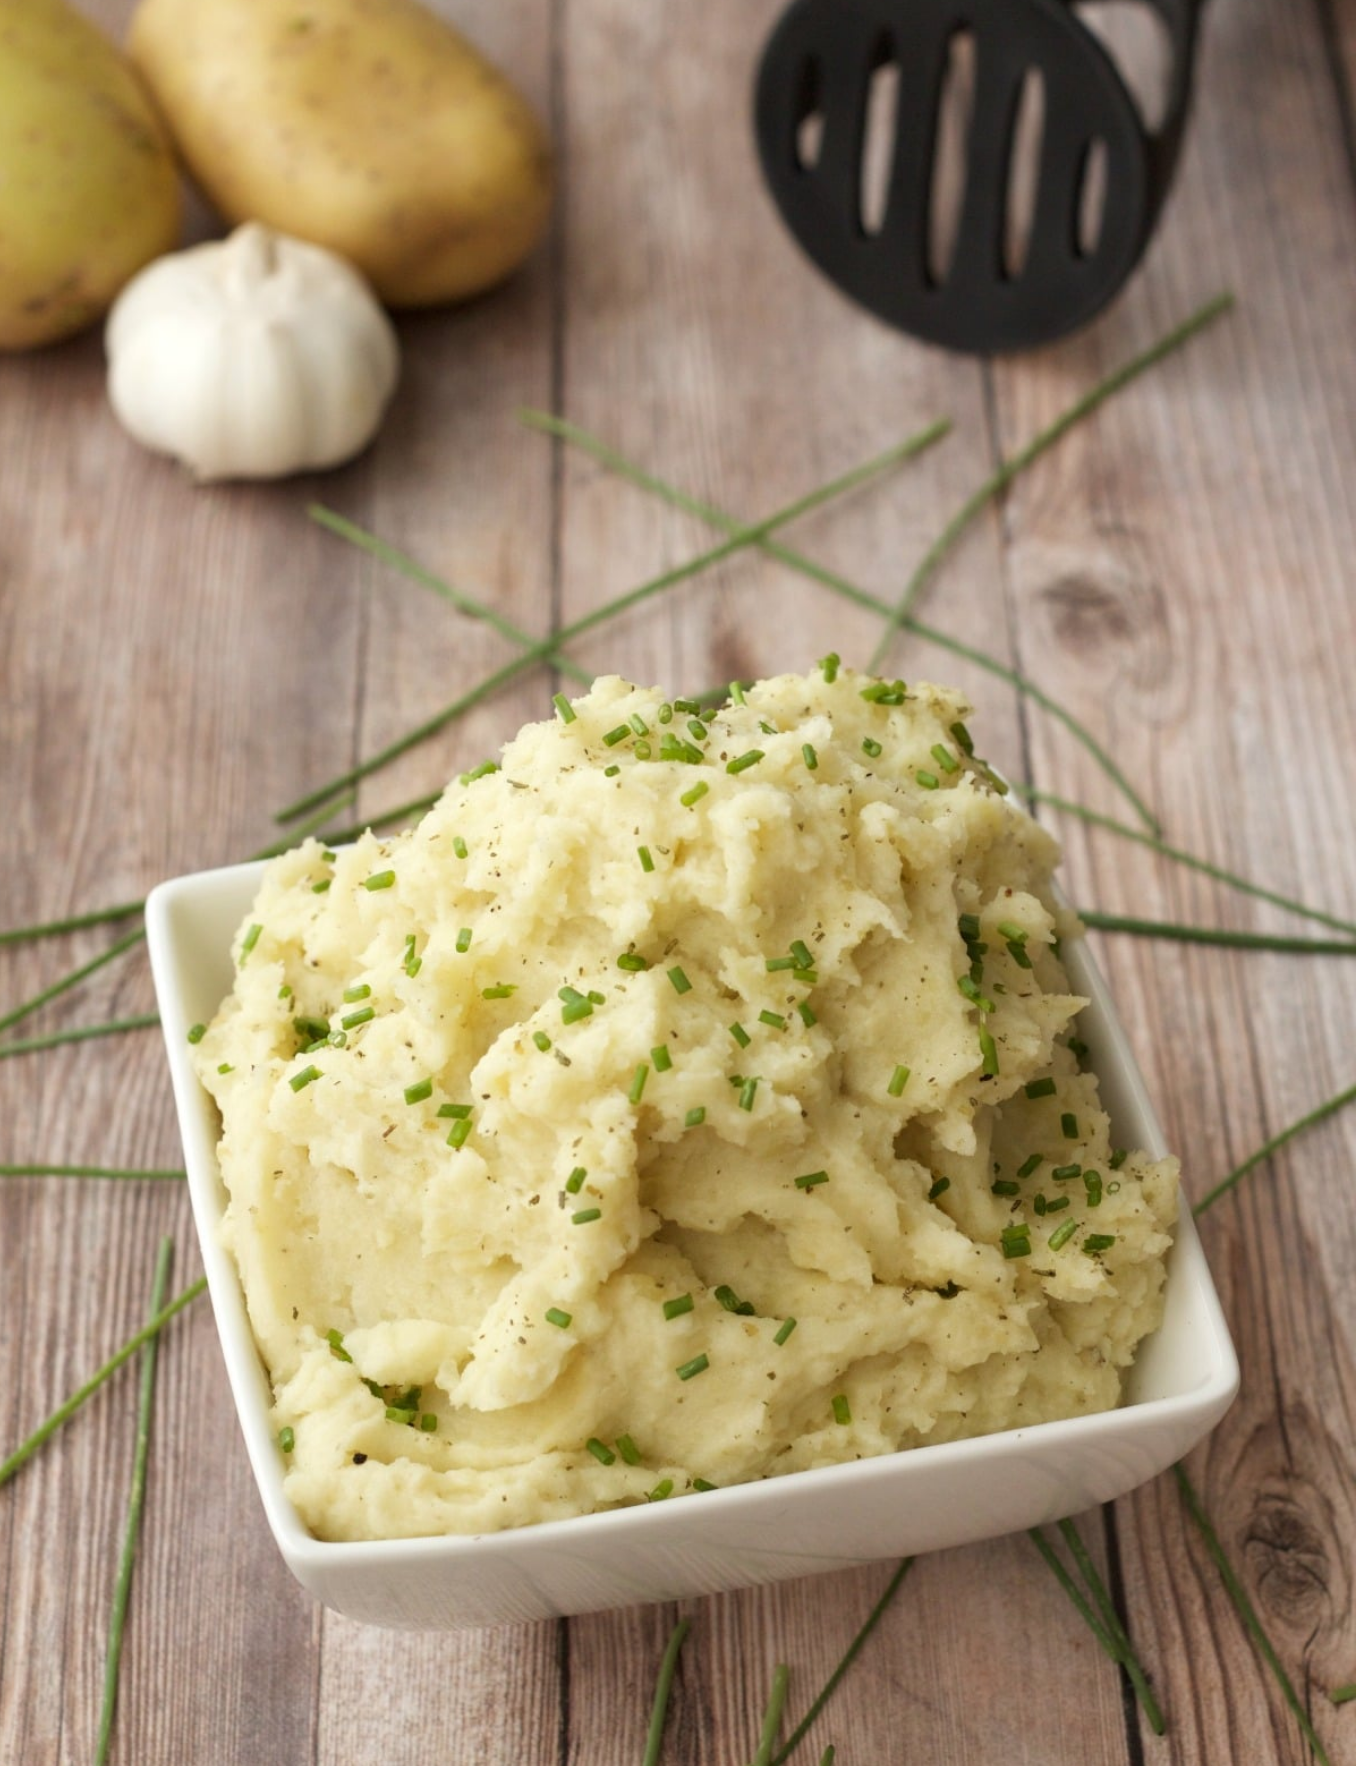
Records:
x=368, y=126
x=88, y=187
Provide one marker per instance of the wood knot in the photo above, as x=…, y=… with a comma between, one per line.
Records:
x=1089, y=617
x=1288, y=1560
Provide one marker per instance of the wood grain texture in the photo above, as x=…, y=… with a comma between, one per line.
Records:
x=176, y=663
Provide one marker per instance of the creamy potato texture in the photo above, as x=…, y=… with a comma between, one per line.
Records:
x=684, y=1101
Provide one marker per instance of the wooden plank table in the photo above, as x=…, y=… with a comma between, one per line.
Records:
x=175, y=662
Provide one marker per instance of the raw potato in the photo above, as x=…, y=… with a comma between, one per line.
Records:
x=88, y=187
x=648, y=1176
x=368, y=126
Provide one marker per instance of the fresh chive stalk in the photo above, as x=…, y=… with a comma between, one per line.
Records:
x=654, y=1739
x=1321, y=1114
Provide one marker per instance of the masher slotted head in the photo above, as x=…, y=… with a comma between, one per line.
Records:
x=820, y=63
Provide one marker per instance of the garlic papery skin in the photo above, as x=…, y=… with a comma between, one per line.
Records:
x=251, y=357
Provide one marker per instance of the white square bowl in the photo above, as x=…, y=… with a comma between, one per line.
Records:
x=921, y=1499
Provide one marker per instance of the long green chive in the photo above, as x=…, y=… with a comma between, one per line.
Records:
x=632, y=960
x=898, y=1080
x=811, y=1180
x=627, y=1448
x=561, y=1320
x=1063, y=1233
x=695, y=795
x=1324, y=1110
x=939, y=1187
x=1016, y=1240
x=746, y=1094
x=690, y=1369
x=637, y=1087
x=654, y=1737
x=646, y=862
x=416, y=1093
x=775, y=1019
x=379, y=880
x=600, y=1451
x=842, y=1410
x=999, y=480
x=248, y=942
x=583, y=1216
x=1040, y=1088
x=1343, y=1695
x=808, y=755
x=859, y=596
x=787, y=1326
x=681, y=984
x=1246, y=1611
x=676, y=1308
x=1217, y=935
x=459, y=1133
x=743, y=762
x=695, y=1116
x=299, y=1081
x=130, y=1174
x=135, y=1500
x=772, y=1716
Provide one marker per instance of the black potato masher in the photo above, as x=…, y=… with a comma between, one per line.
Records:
x=820, y=63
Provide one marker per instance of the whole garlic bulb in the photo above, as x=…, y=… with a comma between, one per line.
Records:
x=251, y=357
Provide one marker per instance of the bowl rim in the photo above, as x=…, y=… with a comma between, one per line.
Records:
x=249, y=1380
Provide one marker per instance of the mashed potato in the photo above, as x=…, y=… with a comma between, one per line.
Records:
x=681, y=1102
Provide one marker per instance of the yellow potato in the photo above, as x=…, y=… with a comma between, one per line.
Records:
x=88, y=188
x=368, y=126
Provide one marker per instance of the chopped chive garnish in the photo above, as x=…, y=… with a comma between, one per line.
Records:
x=871, y=747
x=736, y=692
x=287, y=1439
x=583, y=1216
x=627, y=1448
x=1343, y=1695
x=1062, y=1234
x=1029, y=1165
x=807, y=1016
x=731, y=1302
x=416, y=1093
x=945, y=759
x=1014, y=933
x=689, y=707
x=501, y=990
x=249, y=941
x=741, y=1036
x=746, y=1094
x=284, y=992
x=638, y=724
x=575, y=1181
x=646, y=862
x=397, y=1414
x=428, y=1422
x=966, y=984
x=784, y=1331
x=564, y=710
x=637, y=1086
x=600, y=1451
x=743, y=762
x=632, y=960
x=1040, y=1204
x=842, y=1410
x=1056, y=1207
x=811, y=1180
x=379, y=880
x=197, y=1033
x=1099, y=1242
x=775, y=1019
x=666, y=713
x=830, y=665
x=939, y=1187
x=337, y=1039
x=304, y=1078
x=662, y=1489
x=620, y=734
x=1118, y=1158
x=689, y=1369
x=969, y=927
x=988, y=1050
x=929, y=781
x=456, y=1112
x=561, y=1320
x=1062, y=1173
x=359, y=992
x=898, y=1080
x=695, y=1116
x=1016, y=1240
x=1093, y=1183
x=695, y=795
x=225, y=1067
x=1068, y=1126
x=313, y=1029
x=962, y=737
x=702, y=1484
x=1040, y=1088
x=802, y=953
x=1004, y=1186
x=542, y=1040
x=482, y=771
x=681, y=984
x=459, y=846
x=661, y=1059
x=776, y=964
x=1078, y=1047
x=676, y=1308
x=809, y=756
x=458, y=1133
x=696, y=729
x=335, y=1339
x=1018, y=954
